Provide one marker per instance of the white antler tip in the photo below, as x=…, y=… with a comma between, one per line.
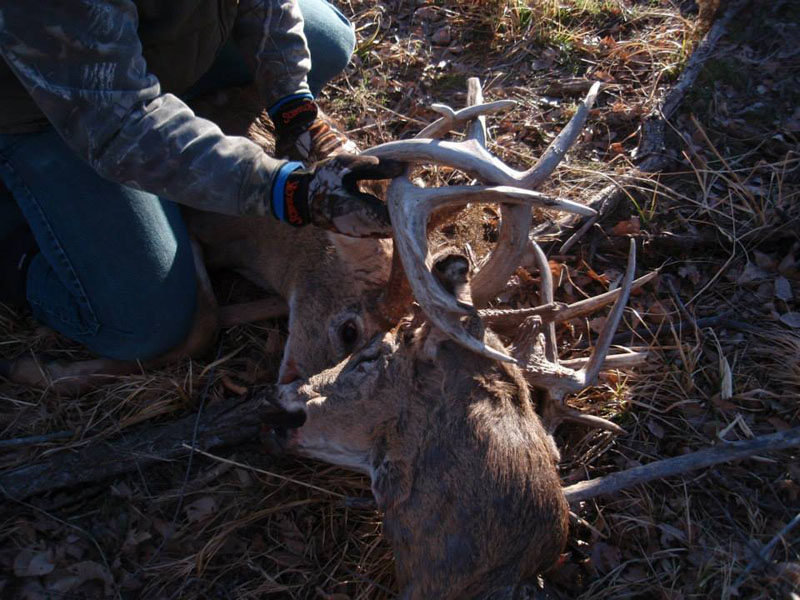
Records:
x=444, y=110
x=592, y=95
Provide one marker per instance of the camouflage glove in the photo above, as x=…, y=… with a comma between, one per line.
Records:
x=326, y=194
x=305, y=133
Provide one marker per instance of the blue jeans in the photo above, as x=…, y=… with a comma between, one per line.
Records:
x=115, y=271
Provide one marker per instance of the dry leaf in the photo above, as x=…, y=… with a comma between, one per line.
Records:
x=790, y=488
x=164, y=528
x=751, y=273
x=292, y=537
x=726, y=383
x=690, y=272
x=245, y=480
x=668, y=532
x=597, y=324
x=792, y=319
x=201, y=509
x=617, y=148
x=133, y=539
x=629, y=227
x=122, y=490
x=609, y=42
x=603, y=76
x=723, y=405
x=656, y=429
x=783, y=289
x=635, y=574
x=442, y=37
x=427, y=13
x=78, y=574
x=33, y=563
x=778, y=423
x=764, y=261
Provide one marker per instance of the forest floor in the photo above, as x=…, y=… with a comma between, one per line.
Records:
x=721, y=324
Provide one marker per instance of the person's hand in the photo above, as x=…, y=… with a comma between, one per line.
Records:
x=327, y=195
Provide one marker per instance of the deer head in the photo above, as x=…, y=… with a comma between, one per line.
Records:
x=329, y=302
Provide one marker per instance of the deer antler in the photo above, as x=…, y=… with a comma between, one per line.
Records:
x=559, y=380
x=471, y=157
x=411, y=206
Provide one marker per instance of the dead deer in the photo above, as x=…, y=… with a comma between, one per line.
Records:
x=460, y=464
x=438, y=411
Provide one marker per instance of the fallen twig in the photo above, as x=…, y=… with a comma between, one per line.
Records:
x=767, y=550
x=36, y=439
x=681, y=464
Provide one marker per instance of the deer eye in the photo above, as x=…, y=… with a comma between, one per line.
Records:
x=348, y=334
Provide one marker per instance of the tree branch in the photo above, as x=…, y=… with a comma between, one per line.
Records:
x=681, y=464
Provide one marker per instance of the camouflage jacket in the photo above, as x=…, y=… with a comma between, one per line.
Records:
x=81, y=61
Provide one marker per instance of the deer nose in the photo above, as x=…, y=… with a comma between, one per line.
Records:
x=289, y=372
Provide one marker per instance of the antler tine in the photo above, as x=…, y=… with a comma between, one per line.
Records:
x=569, y=381
x=514, y=223
x=558, y=147
x=612, y=361
x=410, y=208
x=603, y=343
x=567, y=413
x=546, y=297
x=559, y=380
x=476, y=128
x=557, y=312
x=454, y=119
x=470, y=157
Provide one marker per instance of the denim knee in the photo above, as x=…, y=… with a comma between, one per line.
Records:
x=341, y=45
x=331, y=41
x=158, y=323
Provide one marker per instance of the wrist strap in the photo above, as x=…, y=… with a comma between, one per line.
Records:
x=273, y=110
x=289, y=201
x=293, y=113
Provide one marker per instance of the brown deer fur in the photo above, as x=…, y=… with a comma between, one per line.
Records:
x=460, y=463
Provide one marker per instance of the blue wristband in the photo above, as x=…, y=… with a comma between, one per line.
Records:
x=278, y=188
x=277, y=106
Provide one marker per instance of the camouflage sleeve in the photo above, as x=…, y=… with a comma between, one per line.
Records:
x=270, y=33
x=82, y=63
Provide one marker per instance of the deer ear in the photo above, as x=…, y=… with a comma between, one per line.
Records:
x=390, y=484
